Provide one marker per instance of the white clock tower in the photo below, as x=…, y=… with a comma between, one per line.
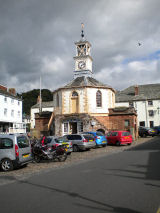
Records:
x=83, y=60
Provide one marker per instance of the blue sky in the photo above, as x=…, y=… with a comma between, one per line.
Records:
x=151, y=57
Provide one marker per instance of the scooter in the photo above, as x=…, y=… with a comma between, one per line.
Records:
x=48, y=153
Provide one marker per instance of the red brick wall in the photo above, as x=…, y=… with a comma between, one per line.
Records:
x=117, y=122
x=41, y=124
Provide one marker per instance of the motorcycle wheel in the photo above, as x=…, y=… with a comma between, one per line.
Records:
x=62, y=158
x=37, y=159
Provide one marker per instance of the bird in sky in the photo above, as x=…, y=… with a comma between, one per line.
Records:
x=139, y=44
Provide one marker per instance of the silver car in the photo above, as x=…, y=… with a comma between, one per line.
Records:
x=81, y=141
x=15, y=150
x=53, y=140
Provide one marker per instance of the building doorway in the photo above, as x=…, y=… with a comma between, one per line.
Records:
x=73, y=127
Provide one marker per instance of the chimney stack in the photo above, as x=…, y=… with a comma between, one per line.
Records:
x=136, y=90
x=3, y=88
x=38, y=99
x=12, y=91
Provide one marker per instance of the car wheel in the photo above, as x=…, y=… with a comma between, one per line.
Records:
x=128, y=144
x=118, y=143
x=104, y=145
x=6, y=165
x=62, y=158
x=75, y=148
x=37, y=159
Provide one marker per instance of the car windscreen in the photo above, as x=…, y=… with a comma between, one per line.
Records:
x=126, y=133
x=99, y=134
x=88, y=137
x=22, y=142
x=62, y=139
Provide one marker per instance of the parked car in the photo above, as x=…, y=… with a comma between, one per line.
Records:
x=157, y=129
x=15, y=150
x=100, y=138
x=53, y=140
x=146, y=131
x=81, y=141
x=119, y=137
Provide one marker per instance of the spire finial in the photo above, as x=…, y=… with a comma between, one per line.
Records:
x=82, y=31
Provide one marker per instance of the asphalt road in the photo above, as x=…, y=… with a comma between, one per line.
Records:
x=127, y=182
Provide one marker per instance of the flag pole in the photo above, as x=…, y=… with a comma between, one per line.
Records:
x=40, y=102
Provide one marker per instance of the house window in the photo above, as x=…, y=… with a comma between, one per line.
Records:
x=150, y=103
x=66, y=127
x=18, y=103
x=151, y=124
x=5, y=99
x=18, y=114
x=12, y=113
x=142, y=123
x=131, y=104
x=12, y=101
x=5, y=112
x=151, y=113
x=126, y=123
x=99, y=98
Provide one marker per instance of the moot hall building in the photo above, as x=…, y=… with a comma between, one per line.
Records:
x=85, y=104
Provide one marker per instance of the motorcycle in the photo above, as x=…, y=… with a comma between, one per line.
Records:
x=48, y=153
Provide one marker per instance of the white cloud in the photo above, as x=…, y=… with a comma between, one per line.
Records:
x=38, y=37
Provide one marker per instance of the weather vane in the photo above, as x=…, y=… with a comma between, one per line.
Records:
x=82, y=31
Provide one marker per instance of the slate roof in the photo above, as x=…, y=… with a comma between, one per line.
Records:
x=43, y=105
x=7, y=94
x=146, y=92
x=84, y=81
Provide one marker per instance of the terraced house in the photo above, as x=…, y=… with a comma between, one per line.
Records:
x=85, y=103
x=146, y=101
x=10, y=111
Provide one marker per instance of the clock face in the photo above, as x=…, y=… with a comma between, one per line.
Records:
x=81, y=65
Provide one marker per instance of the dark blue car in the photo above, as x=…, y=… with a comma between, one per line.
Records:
x=100, y=139
x=157, y=128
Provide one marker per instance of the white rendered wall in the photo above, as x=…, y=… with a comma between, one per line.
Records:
x=67, y=94
x=122, y=104
x=106, y=100
x=142, y=108
x=12, y=105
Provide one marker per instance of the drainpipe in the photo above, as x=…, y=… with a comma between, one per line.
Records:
x=146, y=113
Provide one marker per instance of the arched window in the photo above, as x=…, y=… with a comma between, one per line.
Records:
x=75, y=102
x=57, y=100
x=99, y=98
x=74, y=94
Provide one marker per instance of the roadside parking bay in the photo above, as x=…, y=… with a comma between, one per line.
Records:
x=74, y=158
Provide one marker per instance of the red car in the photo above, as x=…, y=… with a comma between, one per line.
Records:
x=119, y=137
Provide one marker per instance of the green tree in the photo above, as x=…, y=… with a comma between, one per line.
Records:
x=30, y=98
